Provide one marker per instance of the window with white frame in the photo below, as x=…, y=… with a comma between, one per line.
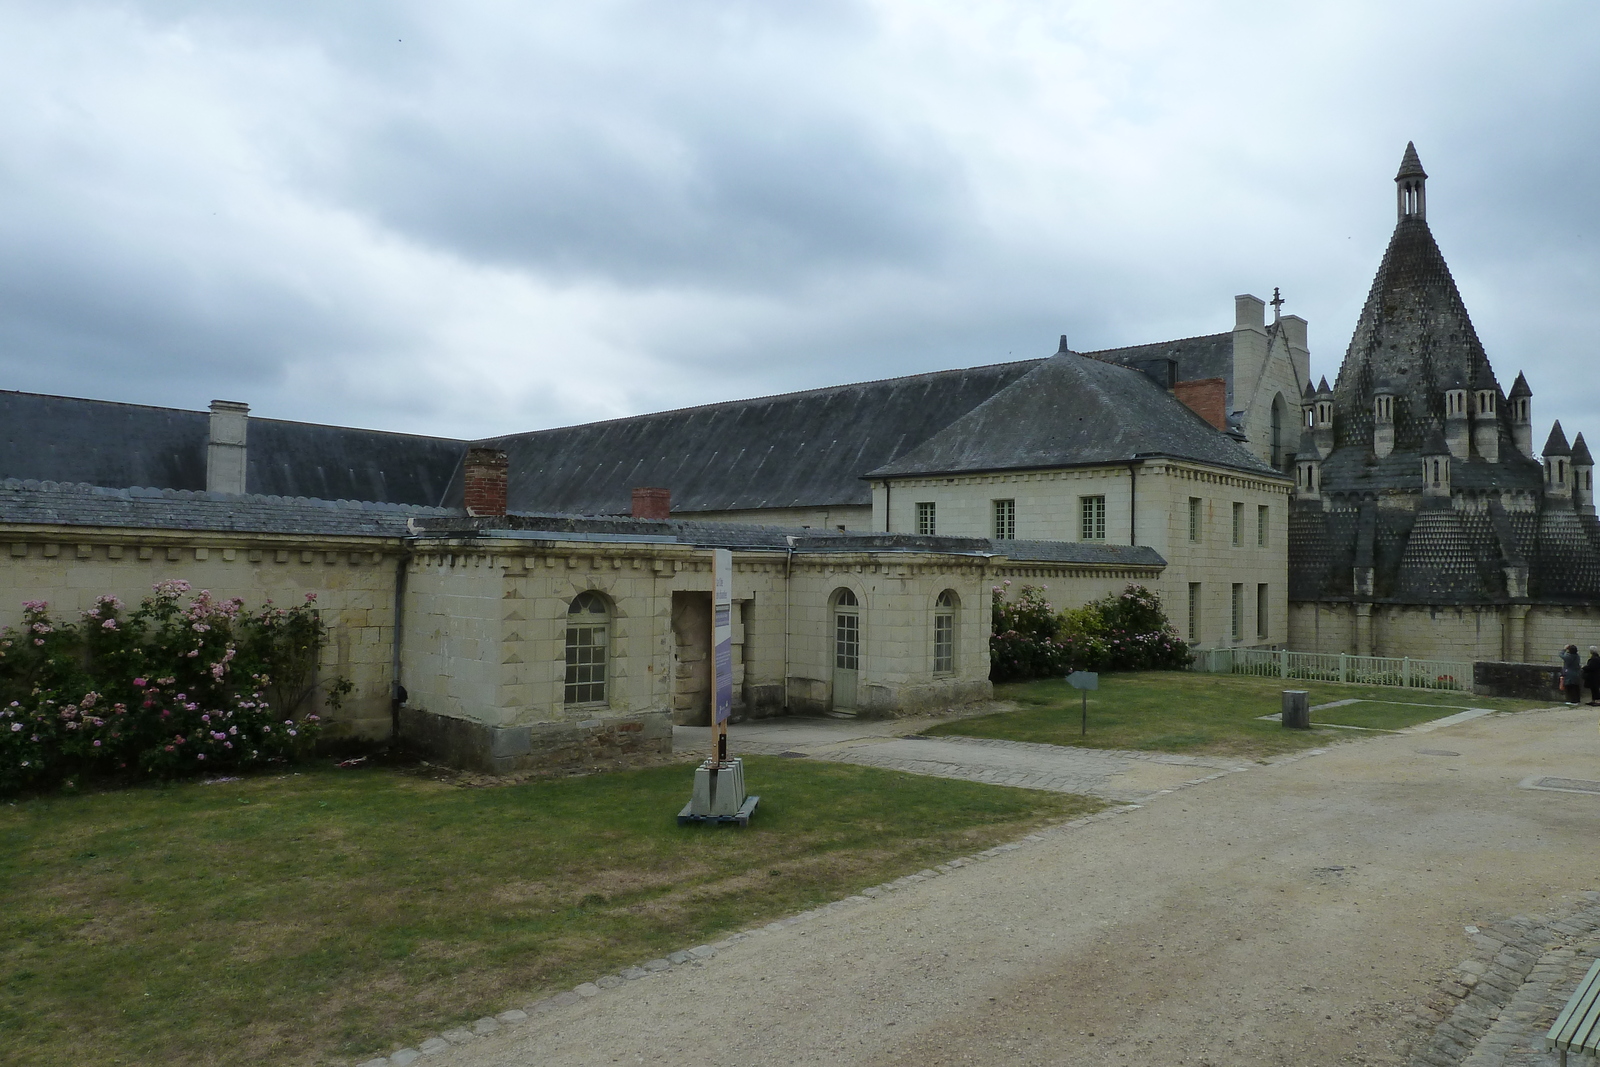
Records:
x=926, y=526
x=1194, y=519
x=1261, y=525
x=1194, y=613
x=588, y=646
x=1238, y=524
x=1005, y=520
x=1092, y=518
x=944, y=633
x=1238, y=611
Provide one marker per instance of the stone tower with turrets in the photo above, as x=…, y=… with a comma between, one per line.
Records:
x=1432, y=528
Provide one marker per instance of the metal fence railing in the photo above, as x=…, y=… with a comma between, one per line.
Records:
x=1402, y=671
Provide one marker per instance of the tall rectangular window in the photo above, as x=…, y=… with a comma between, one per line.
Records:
x=1262, y=613
x=1194, y=613
x=925, y=522
x=1005, y=520
x=1238, y=610
x=1194, y=519
x=1238, y=524
x=1261, y=525
x=1092, y=518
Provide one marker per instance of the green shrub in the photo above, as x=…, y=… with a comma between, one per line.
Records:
x=171, y=689
x=1124, y=631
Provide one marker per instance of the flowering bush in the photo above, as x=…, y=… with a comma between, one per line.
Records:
x=172, y=688
x=1127, y=631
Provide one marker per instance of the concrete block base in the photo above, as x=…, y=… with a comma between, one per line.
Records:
x=468, y=745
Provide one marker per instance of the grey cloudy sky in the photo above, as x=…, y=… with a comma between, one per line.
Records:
x=488, y=216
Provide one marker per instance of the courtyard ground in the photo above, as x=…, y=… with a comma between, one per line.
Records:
x=1295, y=912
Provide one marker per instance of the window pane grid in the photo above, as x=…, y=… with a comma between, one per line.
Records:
x=847, y=641
x=1005, y=520
x=944, y=643
x=1194, y=612
x=586, y=664
x=925, y=520
x=1238, y=610
x=1092, y=521
x=1194, y=519
x=1261, y=525
x=1238, y=524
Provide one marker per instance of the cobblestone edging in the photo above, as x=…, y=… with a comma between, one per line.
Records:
x=1494, y=1009
x=695, y=956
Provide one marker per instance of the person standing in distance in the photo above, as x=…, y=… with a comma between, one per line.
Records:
x=1571, y=674
x=1591, y=675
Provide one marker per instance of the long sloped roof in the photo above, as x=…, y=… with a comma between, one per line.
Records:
x=1073, y=411
x=119, y=446
x=794, y=450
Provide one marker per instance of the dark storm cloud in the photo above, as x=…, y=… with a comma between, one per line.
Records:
x=490, y=216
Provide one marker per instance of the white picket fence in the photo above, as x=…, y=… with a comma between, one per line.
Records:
x=1338, y=667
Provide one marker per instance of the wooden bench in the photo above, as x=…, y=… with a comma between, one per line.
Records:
x=1577, y=1028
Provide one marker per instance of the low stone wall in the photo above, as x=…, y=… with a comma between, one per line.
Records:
x=474, y=746
x=1523, y=681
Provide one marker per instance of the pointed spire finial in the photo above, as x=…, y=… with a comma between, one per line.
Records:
x=1277, y=303
x=1410, y=165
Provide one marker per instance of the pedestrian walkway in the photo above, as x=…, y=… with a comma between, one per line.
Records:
x=895, y=744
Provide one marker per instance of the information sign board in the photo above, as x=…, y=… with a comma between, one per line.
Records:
x=722, y=634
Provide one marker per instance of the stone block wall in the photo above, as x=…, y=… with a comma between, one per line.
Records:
x=1527, y=681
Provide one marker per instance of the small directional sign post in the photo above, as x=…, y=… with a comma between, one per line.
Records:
x=1083, y=681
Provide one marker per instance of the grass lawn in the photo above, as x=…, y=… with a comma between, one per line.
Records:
x=1211, y=714
x=335, y=914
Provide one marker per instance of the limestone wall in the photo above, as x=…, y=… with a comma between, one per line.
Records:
x=1049, y=506
x=837, y=517
x=1467, y=632
x=353, y=579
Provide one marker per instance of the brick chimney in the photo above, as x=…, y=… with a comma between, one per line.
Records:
x=225, y=450
x=1206, y=397
x=484, y=482
x=649, y=503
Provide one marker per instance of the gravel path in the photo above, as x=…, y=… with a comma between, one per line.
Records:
x=1305, y=912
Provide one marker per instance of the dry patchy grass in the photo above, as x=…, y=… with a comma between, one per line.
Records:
x=329, y=915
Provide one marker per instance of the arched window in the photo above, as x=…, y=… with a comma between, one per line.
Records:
x=588, y=646
x=944, y=632
x=846, y=649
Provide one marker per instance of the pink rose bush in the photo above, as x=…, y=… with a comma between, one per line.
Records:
x=180, y=685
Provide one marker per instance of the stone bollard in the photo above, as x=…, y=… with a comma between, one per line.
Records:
x=1296, y=709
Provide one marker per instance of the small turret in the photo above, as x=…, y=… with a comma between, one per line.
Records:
x=1383, y=419
x=1485, y=416
x=1322, y=425
x=1435, y=464
x=1582, y=476
x=1308, y=407
x=1411, y=198
x=1521, y=400
x=1557, y=464
x=1308, y=468
x=1457, y=434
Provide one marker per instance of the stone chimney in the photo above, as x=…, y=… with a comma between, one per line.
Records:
x=1457, y=432
x=1383, y=420
x=225, y=452
x=484, y=482
x=1582, y=475
x=1322, y=418
x=1521, y=400
x=1436, y=464
x=652, y=503
x=1486, y=421
x=1558, y=465
x=1206, y=397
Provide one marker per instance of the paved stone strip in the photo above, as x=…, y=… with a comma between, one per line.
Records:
x=1495, y=1009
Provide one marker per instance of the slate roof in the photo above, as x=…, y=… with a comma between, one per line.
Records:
x=794, y=450
x=99, y=442
x=1210, y=356
x=1073, y=411
x=1414, y=339
x=68, y=504
x=1079, y=552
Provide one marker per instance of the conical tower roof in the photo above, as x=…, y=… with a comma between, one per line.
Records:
x=1556, y=443
x=1414, y=333
x=1580, y=453
x=1410, y=165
